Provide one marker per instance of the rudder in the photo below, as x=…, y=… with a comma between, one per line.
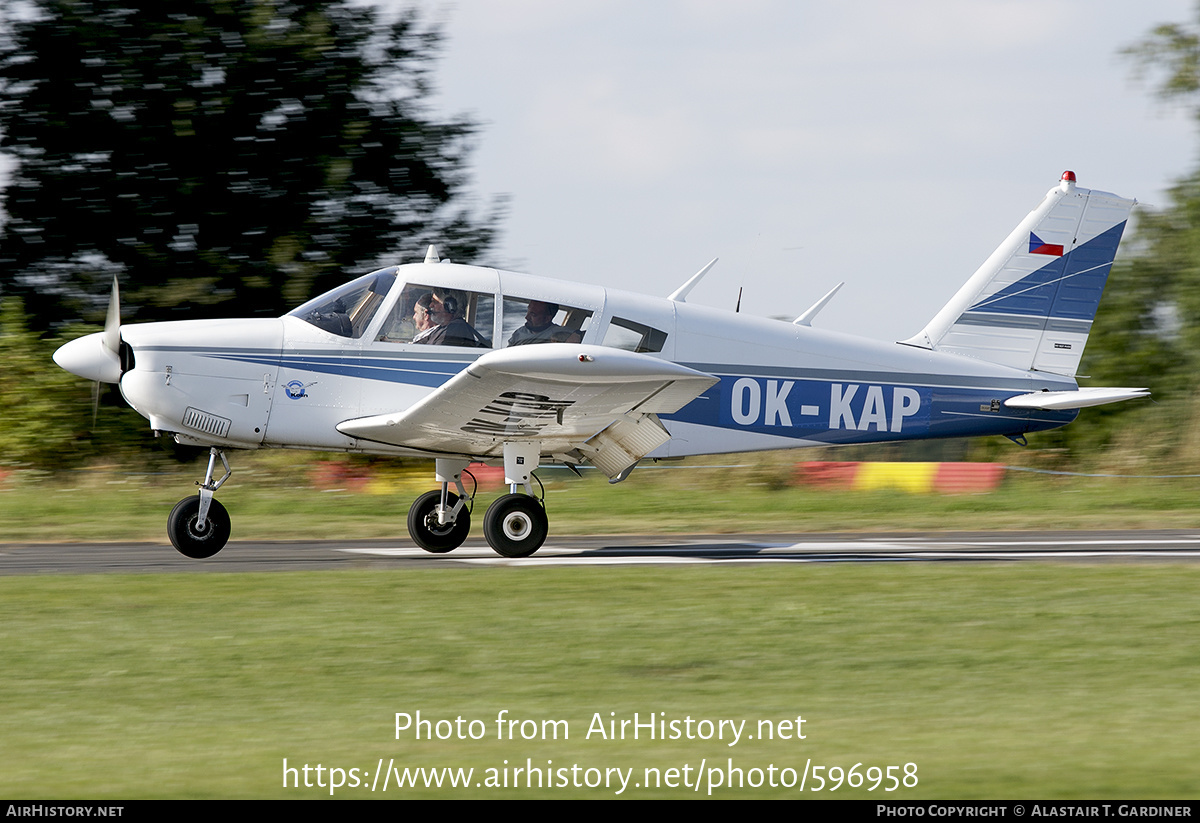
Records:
x=1032, y=303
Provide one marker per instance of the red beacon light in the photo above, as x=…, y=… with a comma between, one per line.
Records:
x=1068, y=176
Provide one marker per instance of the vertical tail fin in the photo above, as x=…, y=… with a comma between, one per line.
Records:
x=1031, y=304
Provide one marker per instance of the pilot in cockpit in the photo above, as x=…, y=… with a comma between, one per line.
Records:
x=450, y=329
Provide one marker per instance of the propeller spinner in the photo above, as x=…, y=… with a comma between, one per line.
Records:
x=97, y=356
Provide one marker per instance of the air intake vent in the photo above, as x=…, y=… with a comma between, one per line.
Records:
x=205, y=422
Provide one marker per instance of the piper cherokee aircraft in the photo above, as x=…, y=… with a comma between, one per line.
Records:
x=461, y=363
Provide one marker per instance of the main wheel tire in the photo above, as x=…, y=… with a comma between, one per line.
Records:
x=516, y=525
x=195, y=542
x=428, y=533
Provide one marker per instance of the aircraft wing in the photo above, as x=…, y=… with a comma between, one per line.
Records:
x=577, y=401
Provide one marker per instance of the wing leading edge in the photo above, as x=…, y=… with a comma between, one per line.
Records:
x=578, y=402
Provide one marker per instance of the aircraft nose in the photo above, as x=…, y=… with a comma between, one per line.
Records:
x=89, y=357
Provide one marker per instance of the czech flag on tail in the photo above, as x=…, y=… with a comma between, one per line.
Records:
x=1036, y=246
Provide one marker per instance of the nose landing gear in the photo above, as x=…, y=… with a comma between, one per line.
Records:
x=199, y=526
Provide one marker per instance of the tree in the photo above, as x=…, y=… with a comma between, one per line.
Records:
x=47, y=411
x=1149, y=322
x=245, y=152
x=1147, y=331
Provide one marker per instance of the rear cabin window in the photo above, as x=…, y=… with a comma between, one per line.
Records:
x=633, y=336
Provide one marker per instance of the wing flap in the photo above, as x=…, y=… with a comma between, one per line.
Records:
x=624, y=442
x=558, y=394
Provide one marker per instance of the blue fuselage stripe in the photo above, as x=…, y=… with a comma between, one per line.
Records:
x=797, y=403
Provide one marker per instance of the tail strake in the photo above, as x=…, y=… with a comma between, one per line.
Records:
x=1031, y=304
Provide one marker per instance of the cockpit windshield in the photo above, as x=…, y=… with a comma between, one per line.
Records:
x=347, y=310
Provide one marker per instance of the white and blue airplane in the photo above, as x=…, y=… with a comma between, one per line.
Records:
x=462, y=363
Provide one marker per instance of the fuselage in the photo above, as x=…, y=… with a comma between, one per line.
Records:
x=288, y=382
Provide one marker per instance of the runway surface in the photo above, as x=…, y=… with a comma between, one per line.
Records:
x=401, y=554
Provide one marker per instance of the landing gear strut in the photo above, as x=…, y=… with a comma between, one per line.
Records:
x=439, y=521
x=424, y=521
x=199, y=526
x=516, y=524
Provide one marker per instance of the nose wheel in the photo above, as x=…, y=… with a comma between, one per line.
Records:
x=516, y=525
x=199, y=526
x=193, y=538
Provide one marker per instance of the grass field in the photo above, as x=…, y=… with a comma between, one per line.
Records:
x=1035, y=680
x=1026, y=681
x=278, y=502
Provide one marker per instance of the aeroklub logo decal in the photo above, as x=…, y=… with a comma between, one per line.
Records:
x=296, y=390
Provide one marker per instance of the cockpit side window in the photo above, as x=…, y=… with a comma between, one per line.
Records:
x=347, y=310
x=539, y=321
x=434, y=315
x=633, y=336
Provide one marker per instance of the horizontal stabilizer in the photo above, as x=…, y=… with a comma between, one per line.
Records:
x=1079, y=399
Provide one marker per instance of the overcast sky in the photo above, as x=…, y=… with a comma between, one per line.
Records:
x=890, y=145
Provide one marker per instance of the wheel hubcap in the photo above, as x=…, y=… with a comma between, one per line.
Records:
x=517, y=526
x=431, y=523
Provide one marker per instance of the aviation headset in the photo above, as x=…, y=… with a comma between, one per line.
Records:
x=449, y=302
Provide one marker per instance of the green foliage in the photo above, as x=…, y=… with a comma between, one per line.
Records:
x=1173, y=48
x=51, y=418
x=43, y=405
x=1147, y=332
x=221, y=157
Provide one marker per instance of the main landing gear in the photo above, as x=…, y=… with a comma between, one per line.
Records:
x=199, y=526
x=439, y=521
x=515, y=525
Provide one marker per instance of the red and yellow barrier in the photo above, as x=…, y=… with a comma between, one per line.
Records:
x=918, y=478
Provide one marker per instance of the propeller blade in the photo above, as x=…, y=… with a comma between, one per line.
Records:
x=112, y=323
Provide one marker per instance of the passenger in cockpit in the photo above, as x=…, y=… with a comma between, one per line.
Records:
x=540, y=327
x=423, y=317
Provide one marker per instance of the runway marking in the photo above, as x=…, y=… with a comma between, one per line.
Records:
x=822, y=551
x=644, y=550
x=1096, y=542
